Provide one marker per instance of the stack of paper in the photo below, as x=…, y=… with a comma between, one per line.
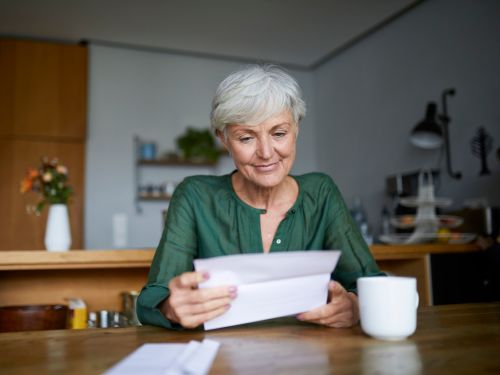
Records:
x=270, y=285
x=194, y=358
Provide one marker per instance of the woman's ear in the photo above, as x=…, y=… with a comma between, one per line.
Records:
x=222, y=137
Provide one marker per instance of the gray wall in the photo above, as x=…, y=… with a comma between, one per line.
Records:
x=362, y=105
x=153, y=95
x=370, y=97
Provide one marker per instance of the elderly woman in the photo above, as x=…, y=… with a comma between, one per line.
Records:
x=257, y=208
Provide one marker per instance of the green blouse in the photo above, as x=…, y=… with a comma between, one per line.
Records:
x=207, y=219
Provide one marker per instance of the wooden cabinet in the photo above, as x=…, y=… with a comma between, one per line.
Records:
x=43, y=91
x=97, y=276
x=414, y=261
x=42, y=113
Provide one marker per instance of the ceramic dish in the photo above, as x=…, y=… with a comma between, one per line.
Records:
x=409, y=221
x=418, y=201
x=412, y=238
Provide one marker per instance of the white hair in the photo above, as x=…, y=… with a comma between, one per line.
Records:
x=254, y=94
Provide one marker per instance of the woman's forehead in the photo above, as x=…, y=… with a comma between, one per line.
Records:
x=282, y=118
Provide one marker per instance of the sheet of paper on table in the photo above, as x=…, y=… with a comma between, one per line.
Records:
x=270, y=285
x=194, y=358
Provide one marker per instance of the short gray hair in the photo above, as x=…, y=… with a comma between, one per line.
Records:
x=255, y=93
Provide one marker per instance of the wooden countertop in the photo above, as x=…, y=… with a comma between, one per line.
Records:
x=139, y=258
x=381, y=252
x=75, y=259
x=451, y=339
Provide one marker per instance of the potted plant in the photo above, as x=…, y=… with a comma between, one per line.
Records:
x=50, y=182
x=198, y=145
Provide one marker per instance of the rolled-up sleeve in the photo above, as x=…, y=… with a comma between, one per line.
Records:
x=174, y=255
x=343, y=234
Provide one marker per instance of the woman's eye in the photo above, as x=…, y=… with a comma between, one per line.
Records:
x=245, y=139
x=279, y=134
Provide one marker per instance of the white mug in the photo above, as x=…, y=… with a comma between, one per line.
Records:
x=388, y=306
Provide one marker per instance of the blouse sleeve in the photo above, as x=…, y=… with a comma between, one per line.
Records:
x=343, y=234
x=174, y=255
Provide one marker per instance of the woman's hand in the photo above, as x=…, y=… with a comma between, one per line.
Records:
x=190, y=306
x=342, y=309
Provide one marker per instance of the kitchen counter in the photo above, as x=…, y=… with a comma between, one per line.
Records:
x=100, y=276
x=404, y=251
x=414, y=260
x=75, y=259
x=97, y=276
x=137, y=258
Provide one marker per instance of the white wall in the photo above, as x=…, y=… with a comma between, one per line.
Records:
x=154, y=95
x=370, y=97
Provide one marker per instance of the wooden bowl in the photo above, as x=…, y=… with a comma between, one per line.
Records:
x=33, y=317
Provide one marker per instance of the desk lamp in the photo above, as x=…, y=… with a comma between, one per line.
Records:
x=431, y=134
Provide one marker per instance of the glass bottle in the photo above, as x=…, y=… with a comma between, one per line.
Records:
x=359, y=216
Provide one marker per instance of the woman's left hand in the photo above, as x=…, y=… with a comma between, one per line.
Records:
x=341, y=311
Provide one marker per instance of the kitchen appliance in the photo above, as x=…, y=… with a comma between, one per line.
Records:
x=484, y=221
x=406, y=184
x=403, y=185
x=426, y=225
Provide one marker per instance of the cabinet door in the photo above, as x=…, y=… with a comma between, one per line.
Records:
x=20, y=230
x=43, y=89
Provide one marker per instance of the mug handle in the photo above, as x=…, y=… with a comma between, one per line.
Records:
x=417, y=300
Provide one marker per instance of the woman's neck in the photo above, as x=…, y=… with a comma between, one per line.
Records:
x=262, y=197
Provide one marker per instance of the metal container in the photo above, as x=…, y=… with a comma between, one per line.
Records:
x=129, y=300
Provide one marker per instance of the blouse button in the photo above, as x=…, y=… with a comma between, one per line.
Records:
x=278, y=241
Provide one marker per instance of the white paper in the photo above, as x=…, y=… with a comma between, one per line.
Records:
x=176, y=367
x=194, y=358
x=199, y=362
x=269, y=285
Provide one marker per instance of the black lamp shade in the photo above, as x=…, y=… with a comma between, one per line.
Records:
x=428, y=133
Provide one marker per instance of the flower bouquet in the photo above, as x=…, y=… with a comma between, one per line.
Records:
x=50, y=181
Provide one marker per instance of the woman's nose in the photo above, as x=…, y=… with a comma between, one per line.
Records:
x=265, y=149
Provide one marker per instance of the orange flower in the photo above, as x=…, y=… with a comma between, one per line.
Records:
x=32, y=173
x=26, y=184
x=49, y=182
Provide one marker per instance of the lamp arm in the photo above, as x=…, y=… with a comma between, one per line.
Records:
x=445, y=120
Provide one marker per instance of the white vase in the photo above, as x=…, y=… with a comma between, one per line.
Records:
x=58, y=231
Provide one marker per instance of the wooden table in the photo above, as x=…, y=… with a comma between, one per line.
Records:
x=452, y=339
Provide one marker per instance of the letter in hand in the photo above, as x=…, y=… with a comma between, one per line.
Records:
x=341, y=310
x=189, y=306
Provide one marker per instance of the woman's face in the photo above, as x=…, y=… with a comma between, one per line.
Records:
x=263, y=153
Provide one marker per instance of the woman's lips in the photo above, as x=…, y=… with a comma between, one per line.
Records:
x=266, y=167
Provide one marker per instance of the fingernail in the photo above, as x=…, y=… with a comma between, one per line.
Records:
x=227, y=306
x=300, y=317
x=206, y=275
x=233, y=292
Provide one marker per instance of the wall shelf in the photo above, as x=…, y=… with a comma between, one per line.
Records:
x=175, y=162
x=154, y=198
x=140, y=164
